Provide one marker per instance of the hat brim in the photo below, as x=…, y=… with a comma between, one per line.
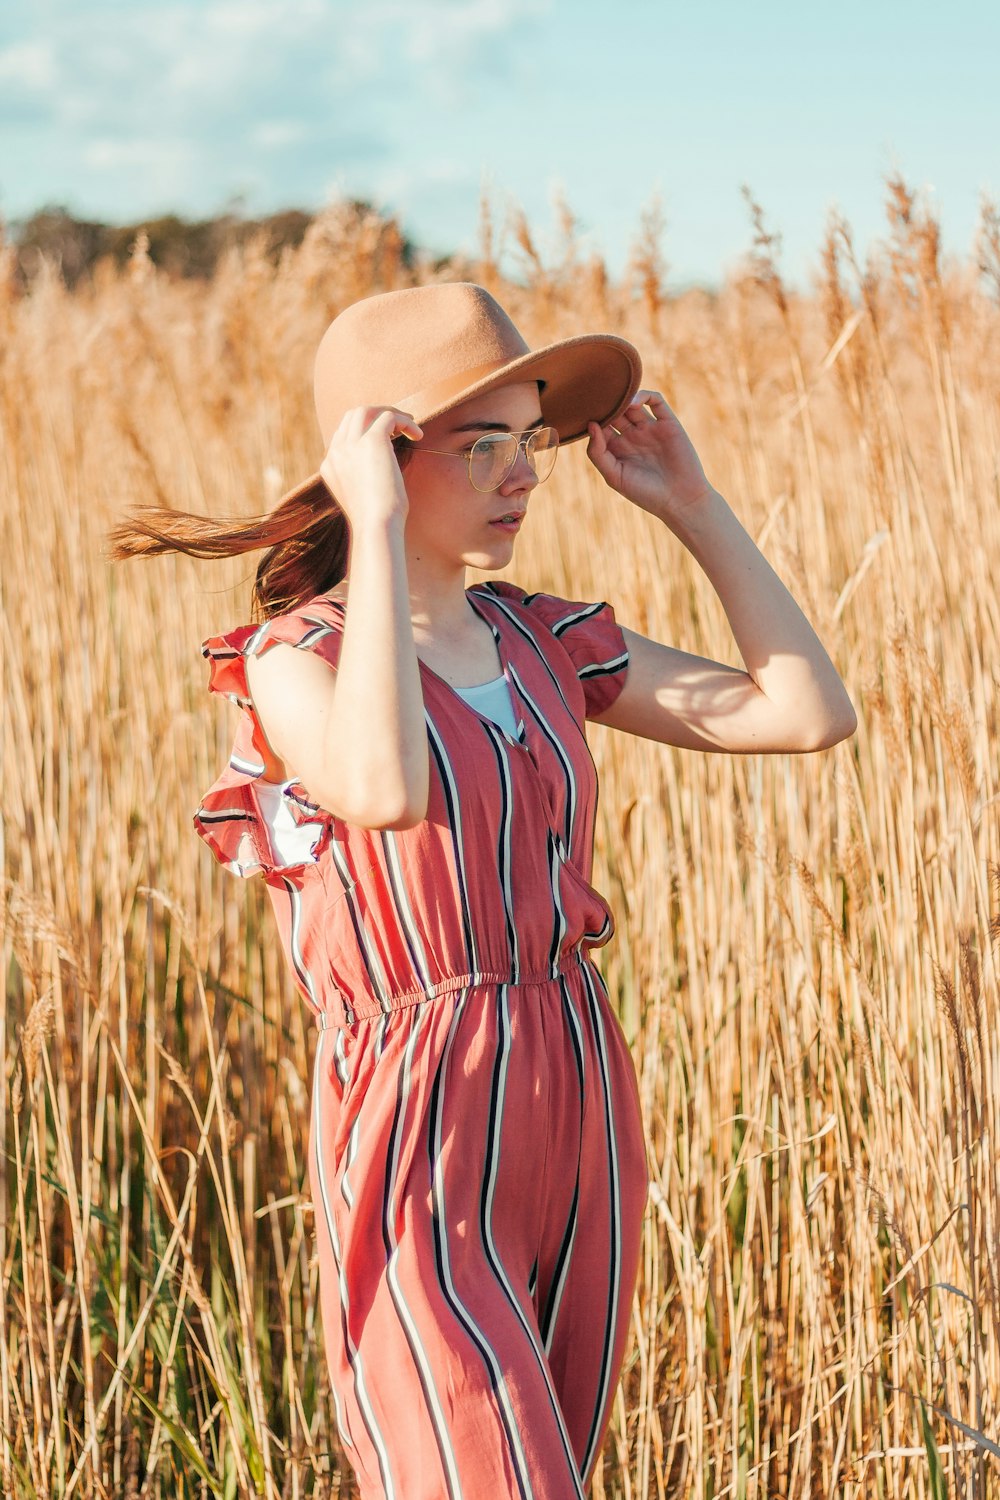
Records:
x=589, y=378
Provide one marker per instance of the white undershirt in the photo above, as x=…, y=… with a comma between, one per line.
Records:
x=492, y=700
x=293, y=843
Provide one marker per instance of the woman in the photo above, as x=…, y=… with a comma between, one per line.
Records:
x=411, y=776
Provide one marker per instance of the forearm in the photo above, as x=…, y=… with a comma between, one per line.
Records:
x=376, y=736
x=781, y=651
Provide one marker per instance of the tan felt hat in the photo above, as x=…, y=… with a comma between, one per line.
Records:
x=425, y=349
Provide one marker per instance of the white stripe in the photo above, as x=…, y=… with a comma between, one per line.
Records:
x=493, y=1164
x=616, y=1228
x=564, y=759
x=250, y=649
x=555, y=1296
x=506, y=863
x=555, y=866
x=595, y=669
x=374, y=963
x=395, y=1287
x=456, y=831
x=310, y=638
x=576, y=617
x=353, y=1354
x=297, y=958
x=339, y=1055
x=466, y=1318
x=248, y=767
x=346, y=1191
x=599, y=938
x=600, y=668
x=343, y=1073
x=520, y=626
x=398, y=886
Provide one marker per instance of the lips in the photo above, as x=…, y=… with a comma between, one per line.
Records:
x=508, y=516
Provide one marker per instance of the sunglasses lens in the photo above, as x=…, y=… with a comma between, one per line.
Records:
x=495, y=454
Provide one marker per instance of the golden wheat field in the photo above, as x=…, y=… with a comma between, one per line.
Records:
x=806, y=957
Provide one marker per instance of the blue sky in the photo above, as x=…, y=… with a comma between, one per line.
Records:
x=123, y=108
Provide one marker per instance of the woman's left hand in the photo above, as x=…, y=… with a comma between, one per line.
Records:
x=648, y=457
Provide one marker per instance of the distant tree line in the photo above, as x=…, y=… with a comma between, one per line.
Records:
x=180, y=247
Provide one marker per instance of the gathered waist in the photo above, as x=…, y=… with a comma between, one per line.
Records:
x=351, y=1012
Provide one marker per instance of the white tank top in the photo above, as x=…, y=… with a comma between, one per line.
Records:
x=492, y=700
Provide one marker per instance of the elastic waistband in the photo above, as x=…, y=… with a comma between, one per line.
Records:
x=326, y=1021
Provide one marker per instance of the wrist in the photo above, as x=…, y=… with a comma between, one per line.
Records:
x=377, y=531
x=697, y=516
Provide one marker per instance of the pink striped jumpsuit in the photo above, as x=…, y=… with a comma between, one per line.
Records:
x=476, y=1157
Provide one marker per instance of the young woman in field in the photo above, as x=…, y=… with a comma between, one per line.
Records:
x=412, y=777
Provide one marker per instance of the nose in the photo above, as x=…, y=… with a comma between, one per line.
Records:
x=522, y=476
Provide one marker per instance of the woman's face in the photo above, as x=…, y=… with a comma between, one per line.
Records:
x=450, y=522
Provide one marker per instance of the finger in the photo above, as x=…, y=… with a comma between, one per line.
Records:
x=634, y=415
x=358, y=420
x=636, y=409
x=597, y=443
x=656, y=401
x=597, y=449
x=397, y=423
x=407, y=424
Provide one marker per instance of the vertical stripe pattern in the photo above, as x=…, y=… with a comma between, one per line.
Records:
x=477, y=1160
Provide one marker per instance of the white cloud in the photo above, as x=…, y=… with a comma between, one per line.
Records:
x=150, y=154
x=273, y=134
x=246, y=18
x=30, y=64
x=400, y=183
x=184, y=102
x=445, y=34
x=454, y=29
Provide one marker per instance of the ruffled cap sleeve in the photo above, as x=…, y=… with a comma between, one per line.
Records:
x=253, y=823
x=593, y=640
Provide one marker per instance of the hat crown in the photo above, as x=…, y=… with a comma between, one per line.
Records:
x=403, y=348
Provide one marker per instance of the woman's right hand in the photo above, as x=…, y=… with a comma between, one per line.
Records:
x=360, y=468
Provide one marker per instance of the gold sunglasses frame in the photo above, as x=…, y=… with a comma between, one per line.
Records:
x=523, y=439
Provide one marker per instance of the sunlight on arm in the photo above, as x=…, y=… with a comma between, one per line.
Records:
x=696, y=703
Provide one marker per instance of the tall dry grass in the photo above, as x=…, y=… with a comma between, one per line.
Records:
x=806, y=964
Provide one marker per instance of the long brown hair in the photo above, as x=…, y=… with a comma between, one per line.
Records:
x=308, y=543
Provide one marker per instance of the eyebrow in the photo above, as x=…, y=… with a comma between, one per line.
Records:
x=483, y=426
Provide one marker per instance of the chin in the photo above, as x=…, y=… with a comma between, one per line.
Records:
x=490, y=558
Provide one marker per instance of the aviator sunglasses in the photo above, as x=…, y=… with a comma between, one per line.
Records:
x=493, y=456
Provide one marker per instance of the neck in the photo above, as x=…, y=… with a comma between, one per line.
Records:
x=438, y=606
x=439, y=609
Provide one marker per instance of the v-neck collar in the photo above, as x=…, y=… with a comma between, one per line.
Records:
x=520, y=741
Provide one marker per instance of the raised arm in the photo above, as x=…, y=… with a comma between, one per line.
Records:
x=790, y=696
x=355, y=737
